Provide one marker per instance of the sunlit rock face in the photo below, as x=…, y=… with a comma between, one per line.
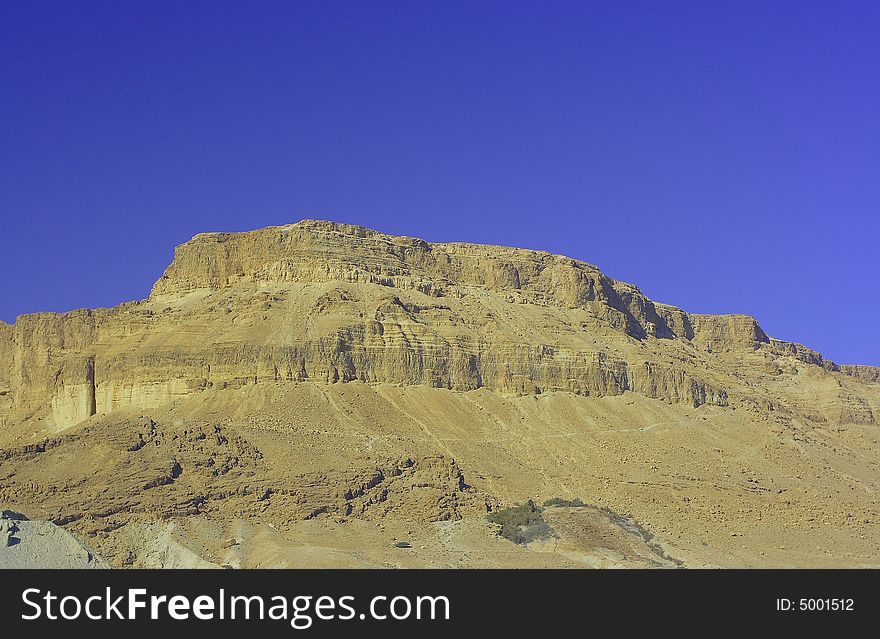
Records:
x=309, y=395
x=332, y=303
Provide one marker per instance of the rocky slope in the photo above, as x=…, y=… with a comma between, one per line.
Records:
x=220, y=366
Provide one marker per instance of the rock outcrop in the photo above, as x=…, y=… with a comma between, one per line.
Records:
x=319, y=381
x=333, y=303
x=41, y=544
x=867, y=374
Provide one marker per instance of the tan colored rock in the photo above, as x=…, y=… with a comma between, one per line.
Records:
x=6, y=352
x=727, y=332
x=334, y=303
x=867, y=374
x=799, y=352
x=297, y=376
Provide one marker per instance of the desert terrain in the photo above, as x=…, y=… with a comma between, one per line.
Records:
x=325, y=395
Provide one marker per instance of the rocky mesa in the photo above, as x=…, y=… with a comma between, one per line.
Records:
x=323, y=352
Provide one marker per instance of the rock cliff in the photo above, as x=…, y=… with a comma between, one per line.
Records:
x=333, y=303
x=313, y=393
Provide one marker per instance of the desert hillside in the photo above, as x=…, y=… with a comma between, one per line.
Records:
x=322, y=394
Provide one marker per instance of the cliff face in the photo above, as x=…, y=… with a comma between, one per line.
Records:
x=6, y=351
x=316, y=382
x=320, y=252
x=50, y=367
x=331, y=303
x=867, y=374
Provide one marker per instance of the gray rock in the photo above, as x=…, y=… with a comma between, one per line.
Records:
x=25, y=543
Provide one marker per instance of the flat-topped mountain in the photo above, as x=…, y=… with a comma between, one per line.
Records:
x=465, y=376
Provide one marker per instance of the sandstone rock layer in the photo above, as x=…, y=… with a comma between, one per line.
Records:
x=322, y=370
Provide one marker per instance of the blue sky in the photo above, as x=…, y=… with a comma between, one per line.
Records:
x=725, y=157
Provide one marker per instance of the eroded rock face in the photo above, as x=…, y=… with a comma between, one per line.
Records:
x=332, y=303
x=102, y=477
x=325, y=379
x=6, y=351
x=727, y=332
x=868, y=374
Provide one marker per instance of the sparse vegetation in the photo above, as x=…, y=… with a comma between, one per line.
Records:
x=559, y=501
x=522, y=523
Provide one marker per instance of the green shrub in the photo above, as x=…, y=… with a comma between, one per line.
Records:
x=522, y=523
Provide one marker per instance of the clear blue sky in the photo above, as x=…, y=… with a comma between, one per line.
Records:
x=724, y=156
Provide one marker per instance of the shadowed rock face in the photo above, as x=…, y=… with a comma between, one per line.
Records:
x=333, y=303
x=291, y=380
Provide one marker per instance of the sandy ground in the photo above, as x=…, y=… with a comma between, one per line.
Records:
x=711, y=486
